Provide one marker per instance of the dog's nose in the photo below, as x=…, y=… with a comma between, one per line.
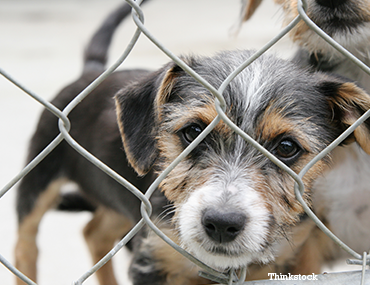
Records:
x=223, y=227
x=331, y=3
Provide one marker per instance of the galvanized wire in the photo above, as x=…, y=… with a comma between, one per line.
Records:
x=220, y=105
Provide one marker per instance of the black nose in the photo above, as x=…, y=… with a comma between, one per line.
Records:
x=331, y=3
x=223, y=227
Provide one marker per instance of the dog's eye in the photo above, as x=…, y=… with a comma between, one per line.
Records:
x=287, y=149
x=191, y=132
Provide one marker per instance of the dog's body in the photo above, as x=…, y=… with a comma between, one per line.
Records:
x=230, y=205
x=94, y=126
x=342, y=195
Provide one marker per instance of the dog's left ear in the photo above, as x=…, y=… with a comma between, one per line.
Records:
x=348, y=102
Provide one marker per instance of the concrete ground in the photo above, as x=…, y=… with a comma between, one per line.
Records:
x=41, y=45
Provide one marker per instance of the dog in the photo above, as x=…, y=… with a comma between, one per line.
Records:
x=347, y=22
x=342, y=195
x=94, y=125
x=225, y=203
x=232, y=205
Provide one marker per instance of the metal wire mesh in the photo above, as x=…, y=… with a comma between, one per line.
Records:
x=223, y=278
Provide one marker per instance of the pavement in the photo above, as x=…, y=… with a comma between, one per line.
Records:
x=41, y=46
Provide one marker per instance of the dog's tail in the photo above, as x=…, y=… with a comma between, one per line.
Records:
x=96, y=52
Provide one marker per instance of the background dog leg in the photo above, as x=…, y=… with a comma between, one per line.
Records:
x=101, y=233
x=317, y=249
x=26, y=251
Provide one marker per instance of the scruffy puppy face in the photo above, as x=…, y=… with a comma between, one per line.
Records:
x=347, y=22
x=232, y=203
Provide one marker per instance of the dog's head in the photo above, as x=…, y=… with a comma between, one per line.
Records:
x=346, y=21
x=232, y=203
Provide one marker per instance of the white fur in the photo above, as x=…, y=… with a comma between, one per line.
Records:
x=236, y=195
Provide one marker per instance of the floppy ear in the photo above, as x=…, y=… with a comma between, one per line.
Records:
x=348, y=103
x=138, y=108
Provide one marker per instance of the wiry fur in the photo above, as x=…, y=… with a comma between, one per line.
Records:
x=273, y=101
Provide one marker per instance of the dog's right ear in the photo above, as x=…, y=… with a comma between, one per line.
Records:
x=138, y=113
x=137, y=122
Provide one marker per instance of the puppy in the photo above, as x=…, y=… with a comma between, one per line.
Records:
x=233, y=207
x=342, y=195
x=229, y=205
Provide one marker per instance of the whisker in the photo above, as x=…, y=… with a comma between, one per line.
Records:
x=169, y=210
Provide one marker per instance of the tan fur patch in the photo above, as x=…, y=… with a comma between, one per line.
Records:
x=280, y=192
x=273, y=124
x=205, y=114
x=352, y=97
x=166, y=88
x=170, y=147
x=101, y=233
x=287, y=253
x=317, y=249
x=291, y=11
x=26, y=251
x=178, y=185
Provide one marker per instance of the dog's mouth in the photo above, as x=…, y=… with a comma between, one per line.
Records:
x=222, y=250
x=230, y=255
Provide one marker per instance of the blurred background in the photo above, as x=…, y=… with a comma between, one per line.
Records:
x=41, y=46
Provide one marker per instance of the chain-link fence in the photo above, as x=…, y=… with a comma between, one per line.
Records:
x=224, y=278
